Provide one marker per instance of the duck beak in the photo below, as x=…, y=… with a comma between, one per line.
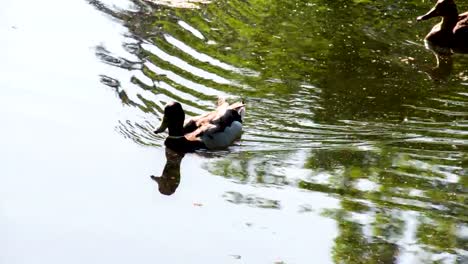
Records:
x=156, y=179
x=163, y=125
x=432, y=13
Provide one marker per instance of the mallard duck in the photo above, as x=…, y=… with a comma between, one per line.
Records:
x=452, y=32
x=213, y=130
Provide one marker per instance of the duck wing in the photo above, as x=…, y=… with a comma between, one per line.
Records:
x=460, y=33
x=223, y=131
x=219, y=124
x=236, y=106
x=193, y=123
x=197, y=133
x=218, y=129
x=201, y=122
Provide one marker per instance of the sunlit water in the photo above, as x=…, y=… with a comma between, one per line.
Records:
x=354, y=150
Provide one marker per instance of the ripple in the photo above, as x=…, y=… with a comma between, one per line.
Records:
x=191, y=29
x=191, y=4
x=205, y=58
x=186, y=83
x=153, y=49
x=351, y=114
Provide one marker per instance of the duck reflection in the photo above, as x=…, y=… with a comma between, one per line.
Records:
x=443, y=68
x=170, y=178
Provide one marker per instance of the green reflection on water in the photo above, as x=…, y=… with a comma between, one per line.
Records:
x=343, y=99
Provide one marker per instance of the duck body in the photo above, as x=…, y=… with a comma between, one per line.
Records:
x=224, y=138
x=451, y=34
x=213, y=130
x=460, y=32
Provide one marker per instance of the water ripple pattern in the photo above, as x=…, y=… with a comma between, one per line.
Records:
x=344, y=105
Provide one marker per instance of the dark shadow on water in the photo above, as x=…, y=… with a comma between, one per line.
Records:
x=170, y=176
x=444, y=63
x=169, y=180
x=443, y=69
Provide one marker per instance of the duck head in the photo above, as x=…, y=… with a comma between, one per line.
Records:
x=173, y=119
x=443, y=8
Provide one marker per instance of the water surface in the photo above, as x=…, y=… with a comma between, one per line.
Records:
x=354, y=151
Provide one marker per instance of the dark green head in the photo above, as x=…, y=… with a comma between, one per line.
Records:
x=173, y=119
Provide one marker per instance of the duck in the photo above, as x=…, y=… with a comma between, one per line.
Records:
x=451, y=34
x=213, y=130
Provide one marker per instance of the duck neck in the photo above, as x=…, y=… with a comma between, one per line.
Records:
x=449, y=22
x=176, y=130
x=450, y=18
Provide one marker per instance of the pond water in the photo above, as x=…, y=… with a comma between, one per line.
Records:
x=355, y=147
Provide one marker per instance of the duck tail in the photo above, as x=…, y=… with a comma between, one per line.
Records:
x=242, y=112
